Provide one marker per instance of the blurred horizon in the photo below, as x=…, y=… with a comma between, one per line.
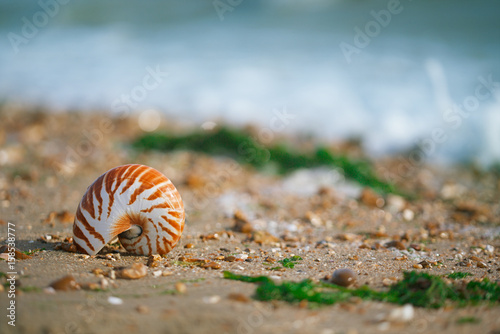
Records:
x=397, y=74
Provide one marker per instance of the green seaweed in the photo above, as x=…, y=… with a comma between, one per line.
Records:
x=459, y=275
x=416, y=288
x=468, y=320
x=245, y=149
x=33, y=251
x=290, y=262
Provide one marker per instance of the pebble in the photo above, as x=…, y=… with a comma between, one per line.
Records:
x=135, y=271
x=241, y=256
x=239, y=297
x=408, y=215
x=211, y=265
x=143, y=309
x=371, y=198
x=157, y=273
x=211, y=299
x=115, y=300
x=481, y=264
x=405, y=313
x=387, y=282
x=189, y=246
x=396, y=244
x=395, y=203
x=180, y=287
x=343, y=277
x=153, y=261
x=66, y=283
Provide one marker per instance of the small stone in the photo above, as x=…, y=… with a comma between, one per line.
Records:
x=343, y=277
x=66, y=283
x=167, y=273
x=481, y=264
x=189, y=245
x=396, y=244
x=239, y=297
x=417, y=266
x=142, y=309
x=153, y=261
x=180, y=287
x=270, y=259
x=387, y=282
x=405, y=313
x=157, y=273
x=103, y=283
x=314, y=219
x=211, y=299
x=476, y=259
x=242, y=256
x=264, y=237
x=135, y=271
x=115, y=300
x=370, y=198
x=18, y=254
x=426, y=264
x=395, y=203
x=211, y=265
x=408, y=215
x=241, y=223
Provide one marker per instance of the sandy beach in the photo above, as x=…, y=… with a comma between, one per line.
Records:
x=238, y=219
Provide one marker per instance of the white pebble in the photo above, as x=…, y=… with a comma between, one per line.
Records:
x=402, y=314
x=408, y=215
x=211, y=299
x=115, y=300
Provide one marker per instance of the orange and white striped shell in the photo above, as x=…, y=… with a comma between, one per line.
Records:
x=138, y=204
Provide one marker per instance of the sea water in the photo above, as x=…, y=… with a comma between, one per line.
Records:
x=399, y=75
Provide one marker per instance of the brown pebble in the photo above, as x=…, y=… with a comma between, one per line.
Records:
x=153, y=261
x=66, y=283
x=426, y=264
x=476, y=259
x=143, y=309
x=396, y=244
x=270, y=259
x=371, y=198
x=189, y=245
x=239, y=297
x=417, y=266
x=343, y=277
x=481, y=264
x=416, y=247
x=230, y=258
x=18, y=254
x=135, y=271
x=211, y=265
x=180, y=287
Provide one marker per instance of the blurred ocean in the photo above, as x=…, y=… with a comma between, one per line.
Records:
x=396, y=73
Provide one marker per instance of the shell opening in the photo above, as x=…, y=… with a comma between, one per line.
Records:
x=134, y=232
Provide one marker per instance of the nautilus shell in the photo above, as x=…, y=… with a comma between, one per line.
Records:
x=138, y=204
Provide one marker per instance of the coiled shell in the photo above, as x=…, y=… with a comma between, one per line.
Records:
x=138, y=204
